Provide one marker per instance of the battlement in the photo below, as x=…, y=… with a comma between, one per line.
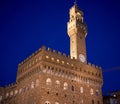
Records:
x=28, y=58
x=49, y=53
x=94, y=66
x=69, y=58
x=11, y=85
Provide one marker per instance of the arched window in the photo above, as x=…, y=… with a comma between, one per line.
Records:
x=48, y=82
x=37, y=82
x=65, y=86
x=7, y=94
x=56, y=103
x=92, y=101
x=82, y=101
x=32, y=85
x=16, y=91
x=73, y=88
x=20, y=90
x=81, y=89
x=97, y=93
x=0, y=98
x=47, y=102
x=98, y=102
x=73, y=101
x=91, y=91
x=11, y=93
x=57, y=84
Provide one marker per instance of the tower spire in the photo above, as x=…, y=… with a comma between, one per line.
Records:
x=75, y=2
x=77, y=32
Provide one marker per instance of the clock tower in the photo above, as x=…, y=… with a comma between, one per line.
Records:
x=77, y=32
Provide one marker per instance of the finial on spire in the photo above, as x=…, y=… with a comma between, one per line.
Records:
x=75, y=2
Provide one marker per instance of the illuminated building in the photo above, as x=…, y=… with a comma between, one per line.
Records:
x=50, y=77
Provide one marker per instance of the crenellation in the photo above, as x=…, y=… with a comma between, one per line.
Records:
x=68, y=57
x=47, y=73
x=96, y=67
x=89, y=63
x=69, y=63
x=93, y=66
x=43, y=48
x=36, y=52
x=32, y=54
x=39, y=49
x=100, y=68
x=30, y=57
x=64, y=55
x=59, y=53
x=49, y=49
x=54, y=51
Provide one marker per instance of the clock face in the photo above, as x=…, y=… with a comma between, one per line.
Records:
x=82, y=57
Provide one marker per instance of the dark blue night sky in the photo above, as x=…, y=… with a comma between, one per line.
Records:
x=27, y=25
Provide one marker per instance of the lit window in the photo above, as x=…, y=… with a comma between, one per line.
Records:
x=16, y=91
x=67, y=63
x=40, y=58
x=32, y=85
x=11, y=93
x=47, y=57
x=36, y=59
x=91, y=91
x=52, y=59
x=63, y=62
x=7, y=94
x=48, y=82
x=81, y=89
x=33, y=62
x=37, y=82
x=20, y=90
x=88, y=81
x=47, y=102
x=82, y=101
x=0, y=98
x=58, y=60
x=65, y=86
x=57, y=84
x=29, y=64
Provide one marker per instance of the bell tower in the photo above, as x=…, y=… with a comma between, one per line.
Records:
x=77, y=31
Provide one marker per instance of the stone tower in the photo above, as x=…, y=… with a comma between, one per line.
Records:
x=77, y=32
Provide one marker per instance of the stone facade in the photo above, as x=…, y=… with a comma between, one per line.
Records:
x=50, y=77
